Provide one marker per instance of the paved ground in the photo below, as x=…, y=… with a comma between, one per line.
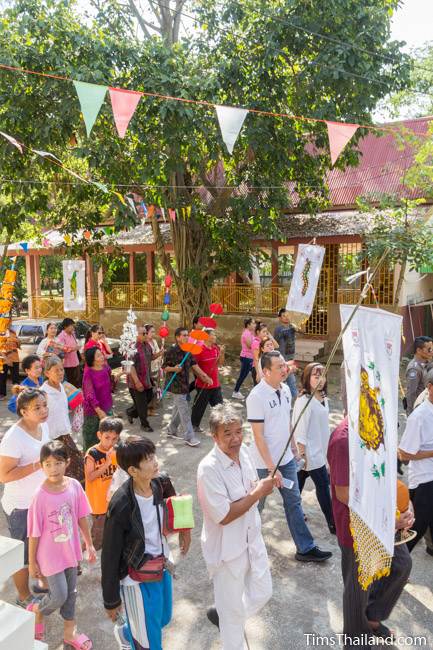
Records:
x=306, y=599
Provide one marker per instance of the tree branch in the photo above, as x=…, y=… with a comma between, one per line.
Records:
x=160, y=249
x=139, y=18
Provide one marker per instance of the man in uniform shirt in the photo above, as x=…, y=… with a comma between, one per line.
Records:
x=285, y=335
x=228, y=491
x=268, y=411
x=416, y=371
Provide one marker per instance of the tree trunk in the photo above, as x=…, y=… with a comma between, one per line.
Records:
x=192, y=275
x=399, y=285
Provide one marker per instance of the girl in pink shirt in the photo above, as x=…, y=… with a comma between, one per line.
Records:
x=56, y=516
x=246, y=357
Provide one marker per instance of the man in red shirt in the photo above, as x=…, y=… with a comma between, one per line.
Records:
x=363, y=611
x=208, y=360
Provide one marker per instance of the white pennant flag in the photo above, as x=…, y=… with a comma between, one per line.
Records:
x=231, y=121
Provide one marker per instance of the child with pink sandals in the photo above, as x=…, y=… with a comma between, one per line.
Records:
x=56, y=516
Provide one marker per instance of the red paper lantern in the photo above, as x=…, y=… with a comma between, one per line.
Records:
x=216, y=308
x=164, y=332
x=168, y=281
x=199, y=335
x=192, y=348
x=206, y=321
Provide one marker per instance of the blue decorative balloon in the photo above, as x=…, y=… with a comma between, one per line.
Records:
x=166, y=299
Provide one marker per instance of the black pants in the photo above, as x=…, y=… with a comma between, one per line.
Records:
x=141, y=401
x=320, y=478
x=375, y=603
x=205, y=396
x=73, y=376
x=422, y=499
x=14, y=371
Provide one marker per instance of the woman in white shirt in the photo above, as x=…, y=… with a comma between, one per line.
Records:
x=312, y=437
x=59, y=424
x=21, y=473
x=50, y=345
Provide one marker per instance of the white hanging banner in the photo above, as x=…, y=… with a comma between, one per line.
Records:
x=74, y=285
x=305, y=278
x=371, y=347
x=231, y=121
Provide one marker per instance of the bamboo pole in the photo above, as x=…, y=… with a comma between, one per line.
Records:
x=362, y=296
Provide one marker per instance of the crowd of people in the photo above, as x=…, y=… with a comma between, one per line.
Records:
x=74, y=482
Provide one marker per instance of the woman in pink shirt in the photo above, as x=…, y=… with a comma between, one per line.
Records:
x=57, y=515
x=71, y=362
x=246, y=357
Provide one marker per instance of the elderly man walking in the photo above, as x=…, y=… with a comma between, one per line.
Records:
x=232, y=542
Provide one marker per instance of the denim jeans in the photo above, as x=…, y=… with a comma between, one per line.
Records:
x=292, y=506
x=320, y=478
x=291, y=383
x=246, y=367
x=181, y=415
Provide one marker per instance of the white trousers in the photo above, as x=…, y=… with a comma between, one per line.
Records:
x=241, y=590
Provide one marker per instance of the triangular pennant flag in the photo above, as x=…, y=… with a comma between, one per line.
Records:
x=101, y=187
x=124, y=103
x=24, y=245
x=144, y=206
x=12, y=140
x=230, y=120
x=120, y=197
x=339, y=135
x=172, y=214
x=131, y=203
x=91, y=97
x=150, y=211
x=47, y=154
x=163, y=213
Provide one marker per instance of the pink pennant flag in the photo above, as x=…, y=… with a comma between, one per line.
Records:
x=339, y=134
x=123, y=103
x=172, y=214
x=12, y=140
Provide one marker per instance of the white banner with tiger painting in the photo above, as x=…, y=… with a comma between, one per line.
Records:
x=371, y=347
x=74, y=285
x=305, y=278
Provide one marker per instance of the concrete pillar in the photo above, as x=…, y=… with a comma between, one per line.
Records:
x=132, y=270
x=101, y=294
x=31, y=283
x=150, y=266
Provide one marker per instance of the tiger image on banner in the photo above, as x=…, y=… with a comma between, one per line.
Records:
x=371, y=348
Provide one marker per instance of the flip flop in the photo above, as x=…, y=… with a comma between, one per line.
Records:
x=39, y=627
x=78, y=644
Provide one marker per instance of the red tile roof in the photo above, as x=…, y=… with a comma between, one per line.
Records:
x=381, y=168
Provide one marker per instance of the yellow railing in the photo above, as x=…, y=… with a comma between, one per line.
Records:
x=52, y=307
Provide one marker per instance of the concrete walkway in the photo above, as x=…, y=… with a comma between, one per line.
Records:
x=306, y=598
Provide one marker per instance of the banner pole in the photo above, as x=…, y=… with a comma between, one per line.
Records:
x=363, y=295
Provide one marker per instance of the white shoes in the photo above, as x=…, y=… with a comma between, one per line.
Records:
x=237, y=395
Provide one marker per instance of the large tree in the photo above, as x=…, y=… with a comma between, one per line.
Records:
x=269, y=56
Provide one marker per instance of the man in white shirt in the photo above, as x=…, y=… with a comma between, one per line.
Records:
x=233, y=548
x=416, y=446
x=268, y=411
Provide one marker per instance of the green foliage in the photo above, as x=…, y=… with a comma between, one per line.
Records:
x=418, y=100
x=248, y=53
x=403, y=231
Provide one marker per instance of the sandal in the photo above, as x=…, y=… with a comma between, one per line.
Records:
x=82, y=642
x=39, y=627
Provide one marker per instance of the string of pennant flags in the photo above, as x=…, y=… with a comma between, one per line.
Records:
x=231, y=119
x=140, y=209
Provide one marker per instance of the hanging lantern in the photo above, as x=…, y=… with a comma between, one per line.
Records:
x=166, y=299
x=165, y=315
x=168, y=281
x=164, y=332
x=206, y=321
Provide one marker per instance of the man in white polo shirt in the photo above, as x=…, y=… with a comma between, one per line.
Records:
x=268, y=411
x=416, y=446
x=233, y=548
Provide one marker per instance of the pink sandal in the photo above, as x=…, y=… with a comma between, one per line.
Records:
x=39, y=627
x=78, y=644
